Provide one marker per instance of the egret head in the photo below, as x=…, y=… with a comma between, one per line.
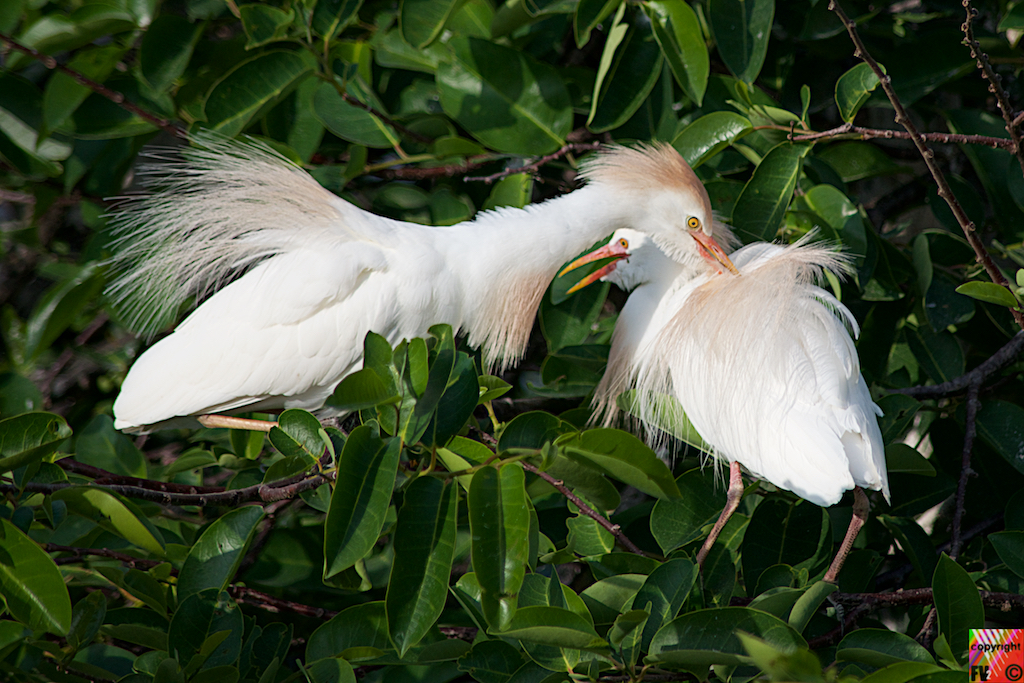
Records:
x=636, y=261
x=660, y=195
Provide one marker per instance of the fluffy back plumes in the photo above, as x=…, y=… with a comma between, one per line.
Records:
x=213, y=209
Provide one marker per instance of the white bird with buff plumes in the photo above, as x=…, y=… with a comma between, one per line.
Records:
x=762, y=364
x=309, y=274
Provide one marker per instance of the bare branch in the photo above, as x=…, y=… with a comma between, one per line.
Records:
x=977, y=376
x=535, y=166
x=903, y=118
x=970, y=428
x=115, y=97
x=852, y=132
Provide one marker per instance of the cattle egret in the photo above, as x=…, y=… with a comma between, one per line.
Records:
x=762, y=365
x=308, y=274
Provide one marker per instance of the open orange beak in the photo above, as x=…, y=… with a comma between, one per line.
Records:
x=714, y=250
x=613, y=251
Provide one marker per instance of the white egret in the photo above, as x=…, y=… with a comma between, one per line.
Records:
x=310, y=274
x=762, y=365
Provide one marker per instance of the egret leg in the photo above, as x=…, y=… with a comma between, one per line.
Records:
x=860, y=515
x=732, y=501
x=213, y=421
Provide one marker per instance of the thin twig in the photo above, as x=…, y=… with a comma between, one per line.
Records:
x=852, y=132
x=978, y=375
x=79, y=553
x=970, y=428
x=269, y=603
x=903, y=118
x=994, y=81
x=534, y=166
x=429, y=172
x=613, y=529
x=46, y=384
x=98, y=88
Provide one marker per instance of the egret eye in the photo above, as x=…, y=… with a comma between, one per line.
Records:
x=693, y=222
x=624, y=243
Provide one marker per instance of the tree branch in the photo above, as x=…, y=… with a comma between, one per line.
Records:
x=978, y=375
x=970, y=428
x=852, y=132
x=98, y=88
x=903, y=118
x=535, y=166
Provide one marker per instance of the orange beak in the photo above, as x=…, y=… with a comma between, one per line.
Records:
x=712, y=248
x=613, y=251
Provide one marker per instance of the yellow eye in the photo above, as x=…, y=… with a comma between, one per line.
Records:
x=693, y=222
x=624, y=243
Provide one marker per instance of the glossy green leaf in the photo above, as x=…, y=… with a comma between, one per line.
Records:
x=361, y=626
x=785, y=532
x=216, y=556
x=957, y=603
x=504, y=98
x=586, y=535
x=86, y=618
x=362, y=389
x=59, y=308
x=455, y=406
x=989, y=292
x=626, y=458
x=630, y=76
x=424, y=550
x=421, y=21
x=29, y=437
x=808, y=603
x=63, y=94
x=350, y=121
x=742, y=29
x=678, y=33
x=499, y=525
x=330, y=670
x=901, y=458
x=206, y=631
x=709, y=135
x=491, y=661
x=1010, y=547
x=914, y=541
x=115, y=513
x=938, y=352
x=857, y=160
x=552, y=626
x=331, y=16
x=708, y=637
x=585, y=480
x=298, y=433
x=678, y=521
x=781, y=664
x=903, y=672
x=253, y=86
x=31, y=584
x=667, y=415
x=100, y=445
x=166, y=49
x=1001, y=425
x=589, y=15
x=492, y=387
x=840, y=213
x=264, y=23
x=530, y=430
x=362, y=492
x=879, y=647
x=663, y=594
x=762, y=204
x=853, y=89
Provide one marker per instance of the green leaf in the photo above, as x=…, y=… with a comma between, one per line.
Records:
x=424, y=550
x=914, y=541
x=330, y=17
x=663, y=594
x=504, y=98
x=492, y=387
x=205, y=631
x=552, y=626
x=491, y=661
x=880, y=648
x=421, y=21
x=329, y=670
x=362, y=492
x=100, y=445
x=808, y=603
x=499, y=524
x=668, y=416
x=709, y=135
x=362, y=389
x=589, y=15
x=252, y=87
x=115, y=513
x=938, y=352
x=762, y=204
x=678, y=521
x=853, y=89
x=840, y=213
x=626, y=458
x=1001, y=425
x=530, y=430
x=216, y=556
x=362, y=626
x=708, y=637
x=86, y=618
x=59, y=308
x=957, y=603
x=631, y=73
x=903, y=672
x=63, y=94
x=264, y=24
x=901, y=458
x=989, y=292
x=166, y=49
x=1009, y=546
x=29, y=437
x=742, y=29
x=349, y=121
x=677, y=30
x=781, y=664
x=782, y=531
x=298, y=433
x=31, y=584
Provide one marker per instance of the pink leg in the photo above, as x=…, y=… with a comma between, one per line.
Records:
x=732, y=501
x=860, y=515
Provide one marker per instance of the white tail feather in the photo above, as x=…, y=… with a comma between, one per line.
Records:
x=214, y=208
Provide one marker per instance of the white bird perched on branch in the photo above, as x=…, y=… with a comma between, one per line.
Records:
x=762, y=364
x=313, y=273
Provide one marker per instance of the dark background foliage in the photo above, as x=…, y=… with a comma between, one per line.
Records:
x=352, y=550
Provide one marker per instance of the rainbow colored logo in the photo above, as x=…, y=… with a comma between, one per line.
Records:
x=996, y=655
